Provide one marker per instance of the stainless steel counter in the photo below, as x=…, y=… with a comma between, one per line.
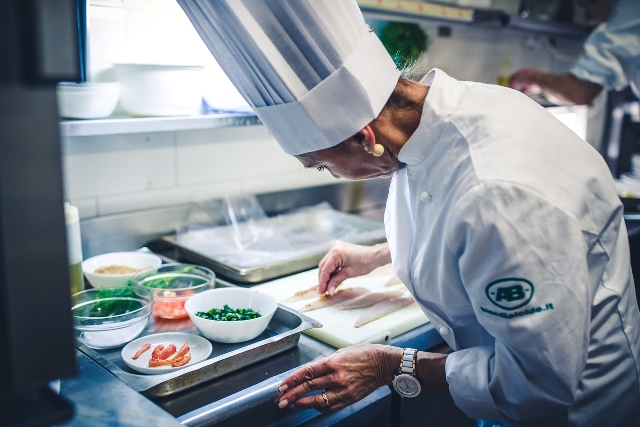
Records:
x=240, y=398
x=245, y=397
x=252, y=391
x=100, y=399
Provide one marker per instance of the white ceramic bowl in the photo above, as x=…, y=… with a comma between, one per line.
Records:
x=231, y=332
x=137, y=260
x=160, y=90
x=90, y=100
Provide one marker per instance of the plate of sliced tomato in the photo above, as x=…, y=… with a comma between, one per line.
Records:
x=165, y=352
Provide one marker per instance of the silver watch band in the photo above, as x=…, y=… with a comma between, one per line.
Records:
x=408, y=365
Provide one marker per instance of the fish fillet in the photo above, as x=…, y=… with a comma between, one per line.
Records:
x=302, y=295
x=342, y=295
x=382, y=309
x=373, y=298
x=393, y=280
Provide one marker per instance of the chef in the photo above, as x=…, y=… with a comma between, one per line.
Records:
x=610, y=58
x=503, y=224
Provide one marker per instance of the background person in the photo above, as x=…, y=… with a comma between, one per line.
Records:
x=610, y=58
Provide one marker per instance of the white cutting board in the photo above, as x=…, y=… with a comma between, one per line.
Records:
x=338, y=329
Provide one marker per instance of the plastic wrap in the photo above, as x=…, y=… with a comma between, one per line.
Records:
x=236, y=232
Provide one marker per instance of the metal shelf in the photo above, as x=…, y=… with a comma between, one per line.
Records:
x=417, y=10
x=545, y=27
x=421, y=11
x=124, y=124
x=380, y=9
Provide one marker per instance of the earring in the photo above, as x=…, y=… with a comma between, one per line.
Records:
x=367, y=148
x=378, y=150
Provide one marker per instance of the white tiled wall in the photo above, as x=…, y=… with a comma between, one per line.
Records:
x=112, y=174
x=105, y=165
x=204, y=156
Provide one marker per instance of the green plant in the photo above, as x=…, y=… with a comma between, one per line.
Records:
x=405, y=42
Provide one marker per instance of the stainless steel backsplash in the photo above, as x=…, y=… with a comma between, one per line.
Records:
x=130, y=231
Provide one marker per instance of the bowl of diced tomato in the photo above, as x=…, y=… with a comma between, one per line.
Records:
x=171, y=286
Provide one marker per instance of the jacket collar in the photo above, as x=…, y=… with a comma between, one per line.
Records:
x=444, y=94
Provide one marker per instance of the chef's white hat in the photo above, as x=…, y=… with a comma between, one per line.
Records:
x=312, y=70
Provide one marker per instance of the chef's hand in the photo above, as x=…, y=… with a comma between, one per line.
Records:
x=346, y=260
x=348, y=375
x=526, y=80
x=561, y=89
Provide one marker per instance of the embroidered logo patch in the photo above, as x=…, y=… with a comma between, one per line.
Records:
x=510, y=294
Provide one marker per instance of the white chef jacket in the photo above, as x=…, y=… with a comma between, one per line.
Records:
x=611, y=54
x=507, y=229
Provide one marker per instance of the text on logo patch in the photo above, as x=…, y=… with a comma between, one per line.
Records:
x=510, y=293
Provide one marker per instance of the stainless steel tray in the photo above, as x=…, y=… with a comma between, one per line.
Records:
x=270, y=271
x=282, y=334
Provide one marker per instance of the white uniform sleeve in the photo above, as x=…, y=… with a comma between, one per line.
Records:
x=523, y=263
x=611, y=54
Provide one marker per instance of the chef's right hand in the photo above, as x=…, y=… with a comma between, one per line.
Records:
x=345, y=260
x=526, y=81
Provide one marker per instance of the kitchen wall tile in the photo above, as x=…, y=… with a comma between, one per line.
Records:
x=487, y=49
x=287, y=181
x=112, y=164
x=228, y=153
x=109, y=205
x=87, y=208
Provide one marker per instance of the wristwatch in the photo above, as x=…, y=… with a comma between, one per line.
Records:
x=406, y=383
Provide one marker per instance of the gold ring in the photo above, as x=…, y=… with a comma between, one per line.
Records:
x=325, y=398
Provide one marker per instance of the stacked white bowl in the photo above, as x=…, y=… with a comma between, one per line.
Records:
x=89, y=100
x=160, y=90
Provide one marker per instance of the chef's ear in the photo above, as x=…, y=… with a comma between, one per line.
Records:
x=365, y=137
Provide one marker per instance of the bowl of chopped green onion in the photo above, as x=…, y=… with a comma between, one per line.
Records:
x=231, y=315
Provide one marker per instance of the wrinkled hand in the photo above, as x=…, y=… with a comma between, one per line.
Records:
x=346, y=376
x=526, y=80
x=345, y=260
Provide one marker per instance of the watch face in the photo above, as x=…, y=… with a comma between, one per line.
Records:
x=407, y=385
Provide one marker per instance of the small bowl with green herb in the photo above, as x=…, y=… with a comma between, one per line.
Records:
x=171, y=286
x=110, y=317
x=231, y=315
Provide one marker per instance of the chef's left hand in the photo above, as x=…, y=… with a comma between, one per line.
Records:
x=346, y=376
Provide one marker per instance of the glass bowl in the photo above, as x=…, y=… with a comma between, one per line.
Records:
x=110, y=317
x=172, y=285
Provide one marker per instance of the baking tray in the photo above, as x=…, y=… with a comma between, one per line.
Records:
x=282, y=333
x=277, y=269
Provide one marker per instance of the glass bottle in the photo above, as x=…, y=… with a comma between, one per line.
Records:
x=74, y=247
x=505, y=72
